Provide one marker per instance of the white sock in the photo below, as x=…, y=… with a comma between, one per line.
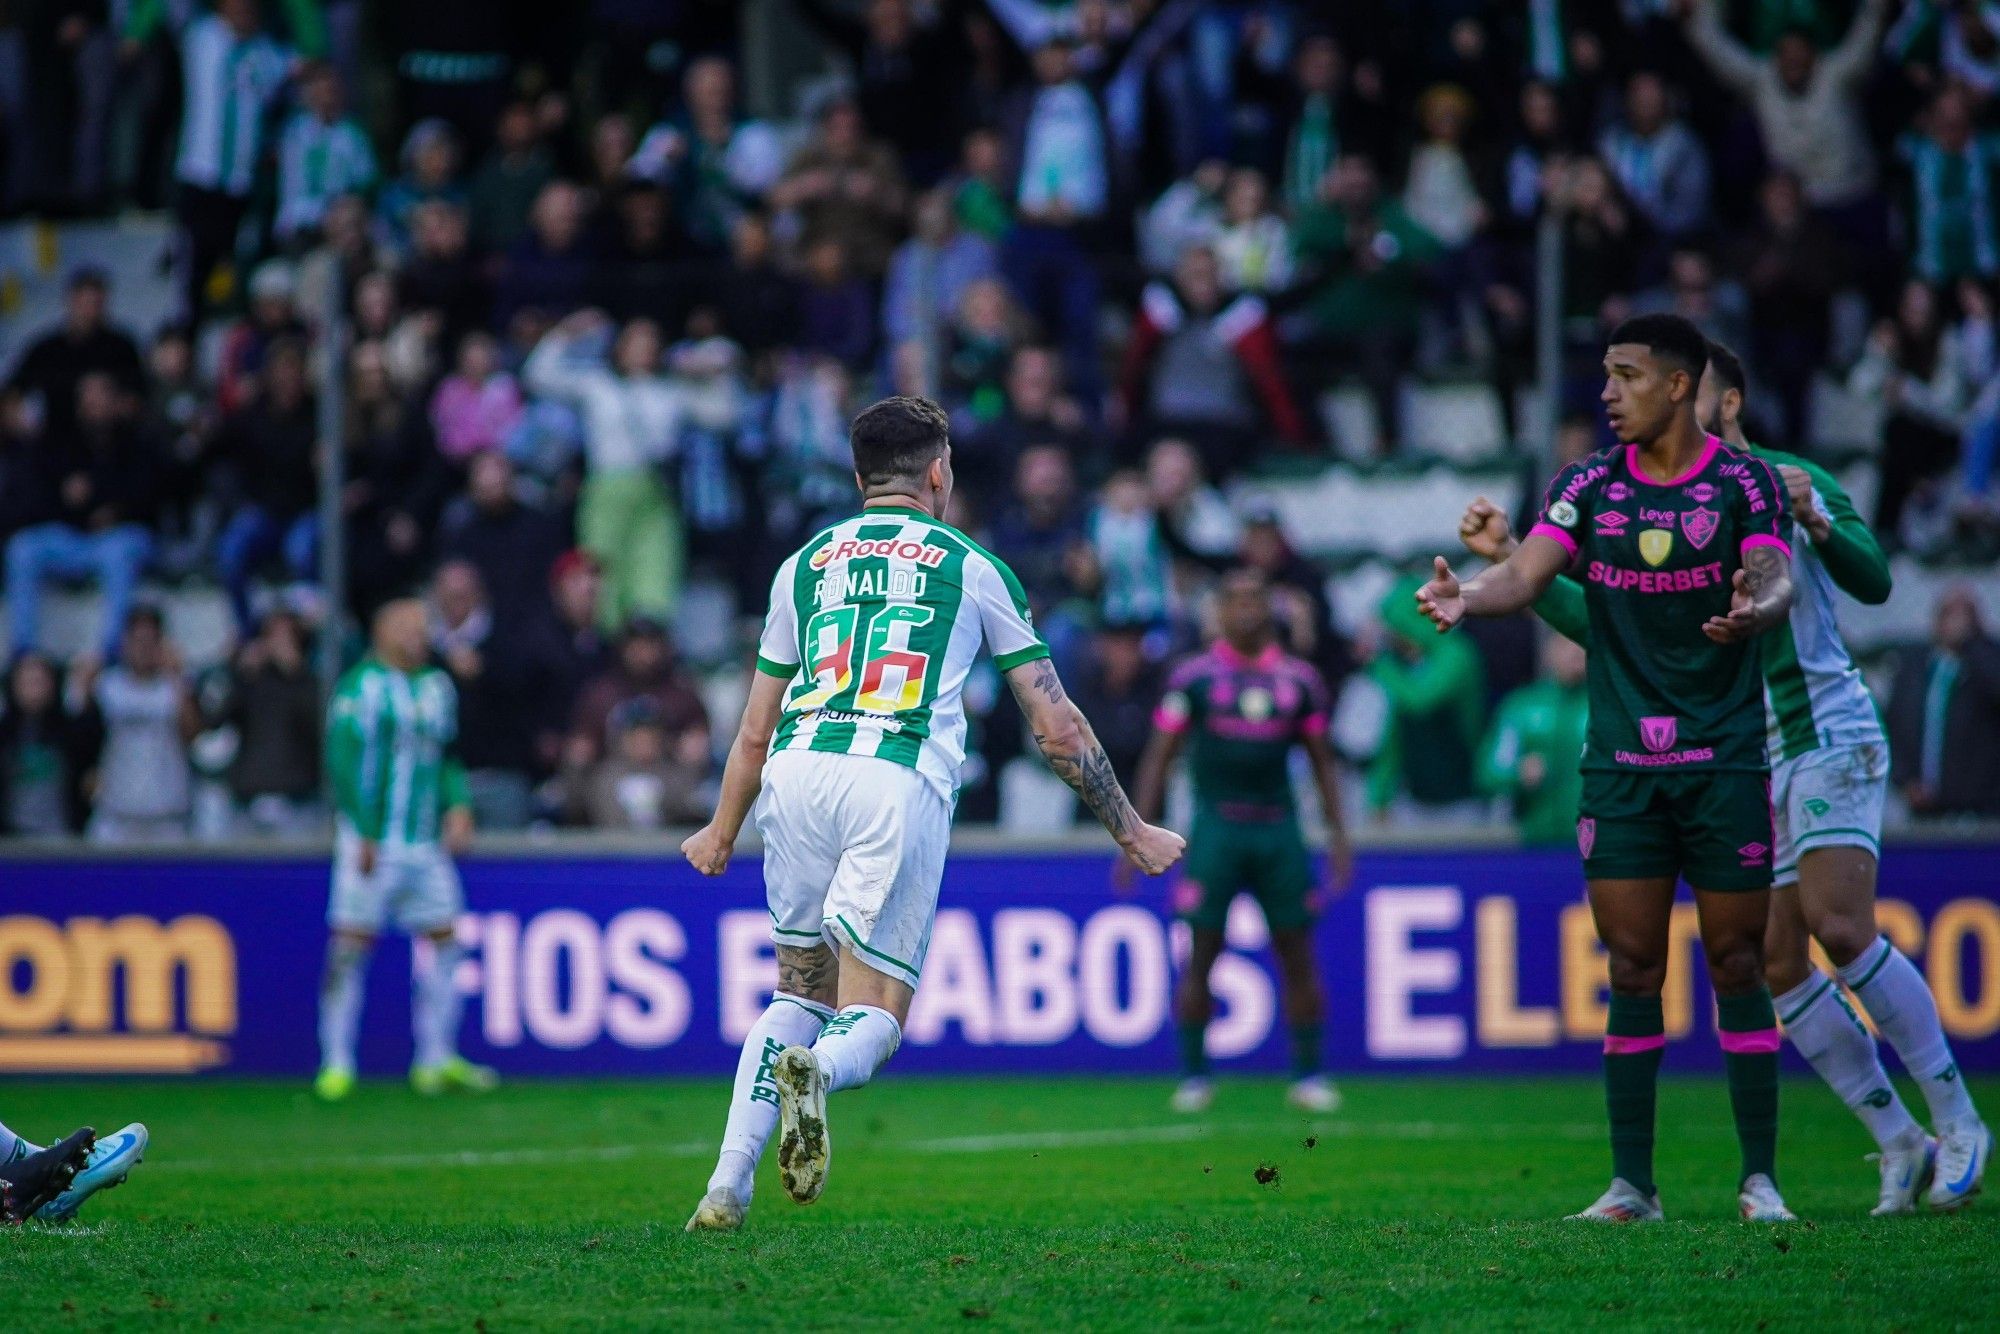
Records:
x=340, y=990
x=855, y=1044
x=435, y=1005
x=1841, y=1052
x=788, y=1021
x=1901, y=1005
x=12, y=1146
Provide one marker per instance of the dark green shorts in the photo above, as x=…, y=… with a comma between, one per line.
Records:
x=1712, y=829
x=1265, y=859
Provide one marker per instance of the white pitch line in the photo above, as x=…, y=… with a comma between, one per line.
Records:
x=1107, y=1137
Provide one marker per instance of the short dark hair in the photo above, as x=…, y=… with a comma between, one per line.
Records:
x=1728, y=367
x=1667, y=336
x=896, y=439
x=146, y=613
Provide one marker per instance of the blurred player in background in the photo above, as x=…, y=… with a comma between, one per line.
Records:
x=1246, y=702
x=854, y=732
x=1682, y=541
x=52, y=1183
x=1830, y=775
x=402, y=813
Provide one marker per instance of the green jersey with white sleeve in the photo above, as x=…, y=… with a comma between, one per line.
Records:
x=875, y=624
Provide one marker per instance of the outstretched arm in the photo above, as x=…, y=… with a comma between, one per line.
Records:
x=1500, y=590
x=1485, y=532
x=708, y=848
x=1077, y=757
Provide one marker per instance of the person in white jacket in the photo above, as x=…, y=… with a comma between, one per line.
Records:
x=627, y=516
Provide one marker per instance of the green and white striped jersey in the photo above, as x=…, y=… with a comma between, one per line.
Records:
x=1814, y=695
x=875, y=623
x=390, y=747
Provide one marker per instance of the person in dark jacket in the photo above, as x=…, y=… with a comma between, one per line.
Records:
x=273, y=705
x=549, y=268
x=45, y=751
x=498, y=685
x=572, y=652
x=1944, y=715
x=98, y=493
x=271, y=446
x=54, y=364
x=510, y=544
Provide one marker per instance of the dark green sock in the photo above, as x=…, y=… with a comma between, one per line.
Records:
x=1634, y=1042
x=1750, y=1055
x=1305, y=1049
x=1194, y=1055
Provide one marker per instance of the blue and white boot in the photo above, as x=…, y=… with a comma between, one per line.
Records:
x=111, y=1160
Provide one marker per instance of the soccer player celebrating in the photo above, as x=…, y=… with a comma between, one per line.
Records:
x=1679, y=536
x=52, y=1183
x=1247, y=702
x=1830, y=771
x=854, y=731
x=402, y=813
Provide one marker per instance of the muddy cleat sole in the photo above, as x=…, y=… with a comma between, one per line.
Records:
x=1759, y=1202
x=721, y=1210
x=333, y=1084
x=804, y=1147
x=110, y=1161
x=1622, y=1204
x=26, y=1184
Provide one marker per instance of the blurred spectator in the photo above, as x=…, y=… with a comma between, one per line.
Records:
x=494, y=674
x=715, y=160
x=1531, y=747
x=429, y=174
x=1204, y=366
x=273, y=708
x=1133, y=576
x=760, y=304
x=836, y=310
x=49, y=370
x=1039, y=532
x=1694, y=291
x=632, y=414
x=612, y=142
x=644, y=672
x=1660, y=165
x=1117, y=691
x=846, y=186
x=1298, y=594
x=1604, y=242
x=273, y=315
x=1440, y=193
x=1434, y=692
x=511, y=545
x=1807, y=105
x=647, y=266
x=1371, y=264
x=1961, y=40
x=1920, y=369
x=100, y=496
x=271, y=444
x=1539, y=153
x=1187, y=213
x=393, y=480
x=477, y=406
x=1790, y=264
x=649, y=779
x=442, y=276
x=323, y=153
x=811, y=475
x=347, y=245
x=1034, y=410
x=930, y=273
x=982, y=198
x=1953, y=230
x=46, y=749
x=1313, y=116
x=907, y=69
x=1253, y=245
x=148, y=715
x=231, y=74
x=1944, y=712
x=550, y=267
x=503, y=190
x=574, y=651
x=985, y=329
x=1195, y=521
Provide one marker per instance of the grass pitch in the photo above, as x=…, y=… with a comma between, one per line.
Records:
x=1075, y=1204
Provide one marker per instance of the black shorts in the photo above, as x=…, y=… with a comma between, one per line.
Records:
x=1712, y=829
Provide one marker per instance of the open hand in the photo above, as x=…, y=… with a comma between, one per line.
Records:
x=1741, y=622
x=1440, y=599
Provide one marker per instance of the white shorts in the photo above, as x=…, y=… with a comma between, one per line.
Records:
x=854, y=849
x=416, y=887
x=1827, y=798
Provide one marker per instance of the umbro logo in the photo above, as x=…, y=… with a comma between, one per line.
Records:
x=1753, y=853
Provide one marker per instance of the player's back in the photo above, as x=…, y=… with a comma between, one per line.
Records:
x=876, y=623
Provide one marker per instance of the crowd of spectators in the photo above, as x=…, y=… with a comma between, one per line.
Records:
x=605, y=328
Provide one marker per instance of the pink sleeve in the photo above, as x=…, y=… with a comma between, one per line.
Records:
x=1556, y=535
x=1767, y=540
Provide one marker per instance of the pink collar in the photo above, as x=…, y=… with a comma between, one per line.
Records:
x=1701, y=461
x=1266, y=660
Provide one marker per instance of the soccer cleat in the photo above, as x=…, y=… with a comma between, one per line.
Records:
x=804, y=1148
x=1193, y=1095
x=333, y=1084
x=1963, y=1148
x=1906, y=1171
x=26, y=1184
x=1759, y=1202
x=110, y=1160
x=1314, y=1093
x=721, y=1210
x=1622, y=1204
x=456, y=1074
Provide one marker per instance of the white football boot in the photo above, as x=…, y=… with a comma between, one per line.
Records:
x=1906, y=1171
x=721, y=1210
x=804, y=1148
x=1193, y=1095
x=1759, y=1202
x=1963, y=1148
x=1623, y=1204
x=1314, y=1093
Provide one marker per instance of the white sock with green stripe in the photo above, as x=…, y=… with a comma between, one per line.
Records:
x=13, y=1146
x=788, y=1021
x=855, y=1044
x=1900, y=1003
x=1836, y=1044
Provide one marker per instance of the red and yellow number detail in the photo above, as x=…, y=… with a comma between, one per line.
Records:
x=892, y=677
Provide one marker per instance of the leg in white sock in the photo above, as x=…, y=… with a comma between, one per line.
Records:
x=1816, y=1018
x=1900, y=1003
x=855, y=1044
x=435, y=1004
x=12, y=1146
x=340, y=991
x=788, y=1021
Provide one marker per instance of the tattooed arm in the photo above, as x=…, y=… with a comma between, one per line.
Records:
x=1073, y=751
x=1760, y=598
